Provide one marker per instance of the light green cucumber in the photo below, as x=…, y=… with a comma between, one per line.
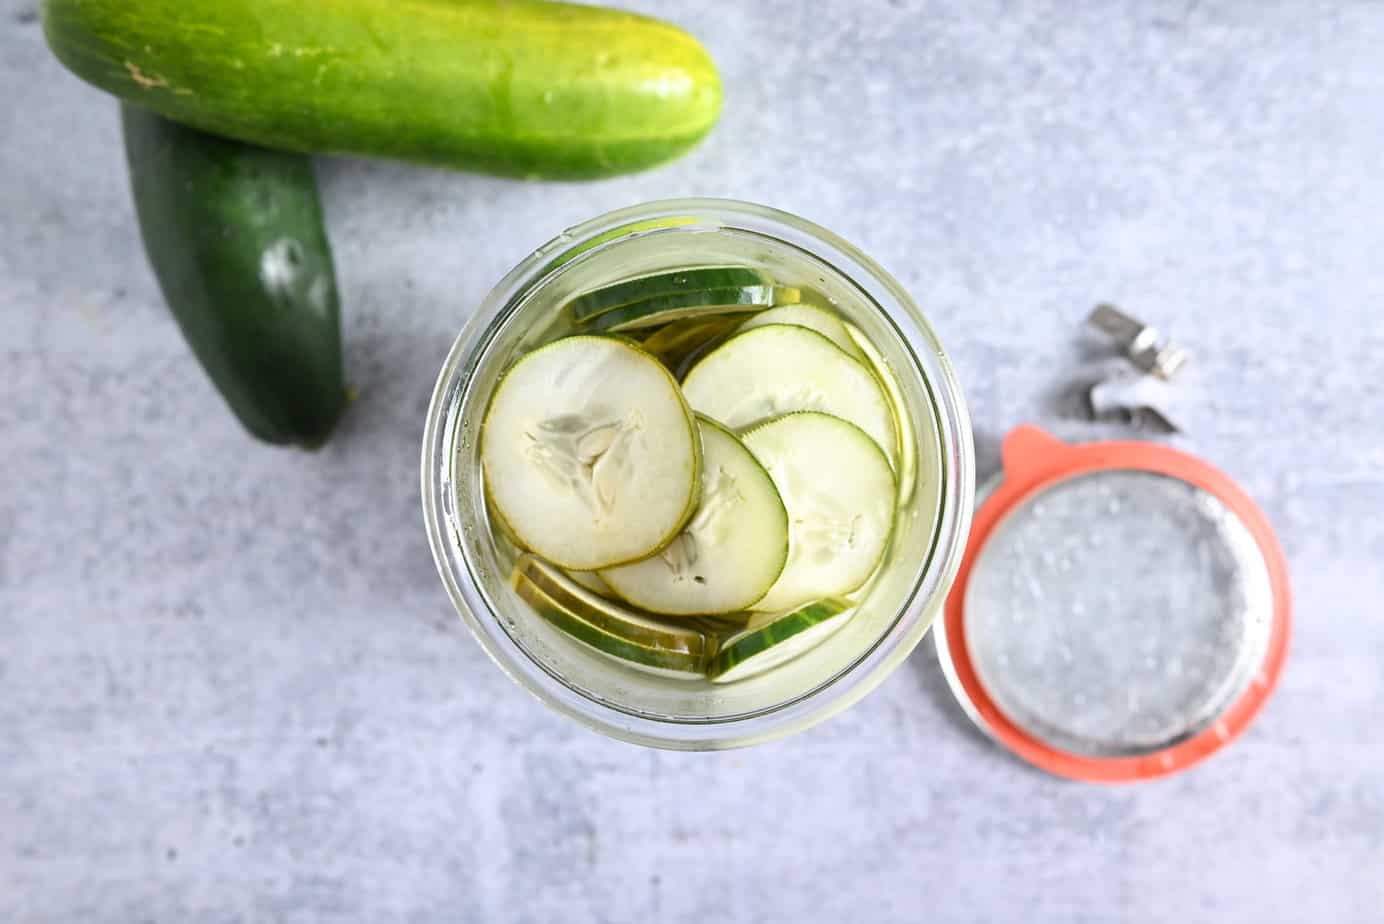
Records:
x=515, y=87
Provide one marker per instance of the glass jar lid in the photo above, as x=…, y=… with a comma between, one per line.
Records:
x=1122, y=611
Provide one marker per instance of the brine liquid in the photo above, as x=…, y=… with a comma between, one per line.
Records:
x=679, y=344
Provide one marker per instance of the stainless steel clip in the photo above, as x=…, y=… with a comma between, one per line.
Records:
x=1141, y=343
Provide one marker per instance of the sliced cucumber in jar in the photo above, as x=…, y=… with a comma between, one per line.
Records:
x=590, y=454
x=593, y=582
x=780, y=369
x=770, y=643
x=731, y=551
x=720, y=625
x=839, y=491
x=693, y=279
x=612, y=630
x=906, y=443
x=677, y=306
x=814, y=319
x=680, y=343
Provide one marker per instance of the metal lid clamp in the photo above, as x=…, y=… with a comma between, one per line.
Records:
x=1143, y=396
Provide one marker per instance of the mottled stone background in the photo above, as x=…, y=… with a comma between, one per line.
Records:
x=232, y=689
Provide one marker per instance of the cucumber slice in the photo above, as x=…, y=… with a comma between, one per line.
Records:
x=731, y=551
x=839, y=491
x=676, y=306
x=778, y=369
x=607, y=627
x=721, y=624
x=592, y=581
x=814, y=319
x=781, y=639
x=693, y=279
x=680, y=343
x=590, y=454
x=906, y=444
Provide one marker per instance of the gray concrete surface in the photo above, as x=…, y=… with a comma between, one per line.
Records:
x=231, y=688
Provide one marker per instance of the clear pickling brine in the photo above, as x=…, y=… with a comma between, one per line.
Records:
x=692, y=474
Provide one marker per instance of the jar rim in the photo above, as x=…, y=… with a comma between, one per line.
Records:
x=915, y=336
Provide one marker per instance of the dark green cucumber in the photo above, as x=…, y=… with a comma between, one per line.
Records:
x=516, y=87
x=234, y=234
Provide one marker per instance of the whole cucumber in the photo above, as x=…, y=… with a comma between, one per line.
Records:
x=514, y=87
x=234, y=234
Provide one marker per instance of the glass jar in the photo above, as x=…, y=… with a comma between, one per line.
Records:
x=896, y=608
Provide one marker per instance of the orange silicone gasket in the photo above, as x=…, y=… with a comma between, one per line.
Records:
x=1033, y=460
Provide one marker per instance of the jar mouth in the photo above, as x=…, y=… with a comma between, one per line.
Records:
x=448, y=493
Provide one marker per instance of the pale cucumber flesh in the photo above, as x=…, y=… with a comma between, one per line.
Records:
x=590, y=453
x=731, y=551
x=780, y=369
x=815, y=319
x=839, y=491
x=593, y=582
x=607, y=627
